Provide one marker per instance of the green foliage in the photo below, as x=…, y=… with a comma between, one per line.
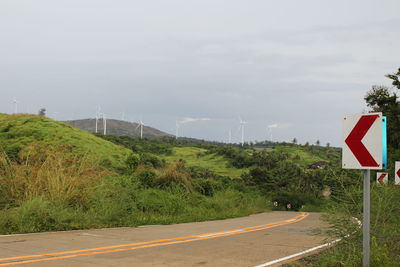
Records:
x=395, y=78
x=205, y=159
x=152, y=160
x=385, y=233
x=132, y=161
x=147, y=178
x=382, y=99
x=152, y=146
x=53, y=191
x=38, y=214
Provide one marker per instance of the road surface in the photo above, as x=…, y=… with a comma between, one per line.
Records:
x=246, y=241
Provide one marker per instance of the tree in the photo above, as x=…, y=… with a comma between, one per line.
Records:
x=395, y=77
x=42, y=112
x=294, y=141
x=318, y=143
x=385, y=100
x=328, y=145
x=381, y=99
x=306, y=144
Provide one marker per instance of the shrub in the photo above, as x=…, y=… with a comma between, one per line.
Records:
x=175, y=176
x=132, y=162
x=147, y=178
x=152, y=160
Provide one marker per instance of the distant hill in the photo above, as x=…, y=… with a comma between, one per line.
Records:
x=21, y=134
x=118, y=127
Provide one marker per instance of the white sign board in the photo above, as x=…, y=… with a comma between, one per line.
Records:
x=381, y=178
x=397, y=173
x=362, y=142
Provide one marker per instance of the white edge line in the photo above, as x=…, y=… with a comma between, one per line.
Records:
x=308, y=250
x=298, y=254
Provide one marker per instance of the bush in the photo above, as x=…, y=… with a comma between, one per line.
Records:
x=132, y=162
x=39, y=215
x=295, y=199
x=205, y=187
x=152, y=160
x=147, y=178
x=175, y=176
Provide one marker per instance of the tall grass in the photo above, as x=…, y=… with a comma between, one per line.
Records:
x=53, y=175
x=385, y=230
x=54, y=190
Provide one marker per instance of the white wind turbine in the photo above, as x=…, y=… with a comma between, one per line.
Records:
x=141, y=128
x=98, y=113
x=229, y=136
x=15, y=103
x=177, y=125
x=241, y=127
x=104, y=123
x=269, y=129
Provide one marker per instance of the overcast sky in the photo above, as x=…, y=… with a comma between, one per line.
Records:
x=299, y=64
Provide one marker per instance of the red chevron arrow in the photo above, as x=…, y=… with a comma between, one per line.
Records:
x=380, y=179
x=398, y=173
x=353, y=141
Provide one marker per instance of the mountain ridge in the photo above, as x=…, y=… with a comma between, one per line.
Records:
x=118, y=127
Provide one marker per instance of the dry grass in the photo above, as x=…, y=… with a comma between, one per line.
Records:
x=175, y=174
x=50, y=174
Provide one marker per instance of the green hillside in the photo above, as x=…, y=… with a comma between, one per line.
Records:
x=194, y=156
x=22, y=134
x=309, y=155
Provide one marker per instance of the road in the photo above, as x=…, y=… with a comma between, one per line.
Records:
x=246, y=241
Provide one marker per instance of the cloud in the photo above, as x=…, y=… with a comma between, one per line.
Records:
x=273, y=126
x=188, y=119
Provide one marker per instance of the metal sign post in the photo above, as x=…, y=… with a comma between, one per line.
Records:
x=366, y=220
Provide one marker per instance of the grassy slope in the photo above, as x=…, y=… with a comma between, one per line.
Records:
x=18, y=133
x=196, y=157
x=306, y=156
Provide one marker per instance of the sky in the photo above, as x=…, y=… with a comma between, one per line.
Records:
x=298, y=66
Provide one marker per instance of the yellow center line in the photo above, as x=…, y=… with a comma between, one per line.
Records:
x=143, y=243
x=148, y=244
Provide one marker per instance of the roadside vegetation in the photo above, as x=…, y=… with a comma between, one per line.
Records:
x=385, y=208
x=55, y=177
x=385, y=233
x=49, y=181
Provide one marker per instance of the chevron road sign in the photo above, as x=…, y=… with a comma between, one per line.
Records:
x=364, y=142
x=397, y=173
x=381, y=178
x=364, y=148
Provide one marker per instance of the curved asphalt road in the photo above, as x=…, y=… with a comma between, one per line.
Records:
x=246, y=241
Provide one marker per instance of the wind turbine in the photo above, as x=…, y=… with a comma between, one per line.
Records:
x=104, y=124
x=241, y=127
x=15, y=102
x=269, y=129
x=177, y=125
x=97, y=117
x=141, y=128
